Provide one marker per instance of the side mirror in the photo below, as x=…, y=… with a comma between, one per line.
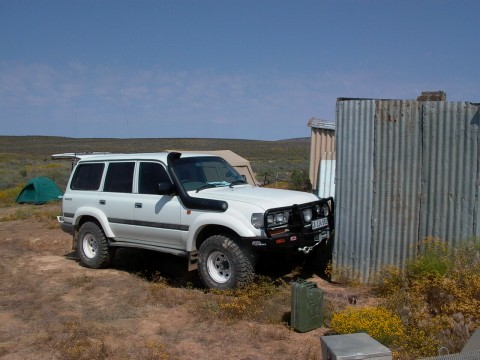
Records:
x=166, y=188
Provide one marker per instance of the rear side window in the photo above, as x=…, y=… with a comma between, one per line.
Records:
x=119, y=177
x=87, y=177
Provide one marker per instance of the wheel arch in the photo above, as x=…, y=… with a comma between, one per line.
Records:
x=91, y=214
x=211, y=230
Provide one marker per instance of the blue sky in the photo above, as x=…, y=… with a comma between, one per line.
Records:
x=238, y=69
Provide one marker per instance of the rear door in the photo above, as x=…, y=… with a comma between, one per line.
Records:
x=117, y=198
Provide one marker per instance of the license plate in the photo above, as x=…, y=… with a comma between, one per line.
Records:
x=319, y=223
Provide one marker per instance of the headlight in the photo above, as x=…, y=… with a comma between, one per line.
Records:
x=257, y=220
x=307, y=215
x=277, y=218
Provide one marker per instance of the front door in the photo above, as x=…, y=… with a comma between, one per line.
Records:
x=155, y=217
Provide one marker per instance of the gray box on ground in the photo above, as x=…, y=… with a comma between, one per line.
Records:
x=353, y=347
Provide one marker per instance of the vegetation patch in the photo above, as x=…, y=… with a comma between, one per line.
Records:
x=78, y=341
x=263, y=301
x=380, y=323
x=437, y=297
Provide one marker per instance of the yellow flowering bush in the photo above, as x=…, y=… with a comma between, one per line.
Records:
x=378, y=322
x=437, y=297
x=8, y=196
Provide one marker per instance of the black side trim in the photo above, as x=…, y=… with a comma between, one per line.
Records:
x=149, y=224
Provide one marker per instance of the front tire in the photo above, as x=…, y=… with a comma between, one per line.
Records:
x=93, y=247
x=222, y=264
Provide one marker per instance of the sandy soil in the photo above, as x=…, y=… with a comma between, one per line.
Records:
x=51, y=307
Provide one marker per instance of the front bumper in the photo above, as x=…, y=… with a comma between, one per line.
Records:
x=298, y=234
x=288, y=242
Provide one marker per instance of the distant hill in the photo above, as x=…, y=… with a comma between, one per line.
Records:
x=274, y=158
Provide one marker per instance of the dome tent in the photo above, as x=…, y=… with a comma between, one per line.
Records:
x=39, y=190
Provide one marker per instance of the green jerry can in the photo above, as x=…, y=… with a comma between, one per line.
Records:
x=307, y=306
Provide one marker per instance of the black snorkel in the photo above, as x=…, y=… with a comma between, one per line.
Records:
x=187, y=200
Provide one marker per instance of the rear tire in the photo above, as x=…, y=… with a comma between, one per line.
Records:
x=93, y=246
x=222, y=264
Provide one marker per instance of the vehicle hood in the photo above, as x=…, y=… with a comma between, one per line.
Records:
x=264, y=198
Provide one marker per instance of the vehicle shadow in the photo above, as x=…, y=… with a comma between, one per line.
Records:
x=154, y=266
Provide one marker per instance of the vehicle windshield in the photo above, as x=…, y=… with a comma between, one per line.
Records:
x=198, y=173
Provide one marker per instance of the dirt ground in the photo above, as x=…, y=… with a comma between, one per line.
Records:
x=51, y=307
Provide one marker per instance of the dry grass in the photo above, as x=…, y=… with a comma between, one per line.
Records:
x=144, y=307
x=53, y=307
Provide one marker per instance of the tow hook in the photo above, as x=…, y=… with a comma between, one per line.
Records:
x=307, y=249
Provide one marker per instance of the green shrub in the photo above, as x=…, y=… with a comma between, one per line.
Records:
x=437, y=297
x=433, y=260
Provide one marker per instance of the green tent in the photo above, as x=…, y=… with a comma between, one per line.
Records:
x=39, y=190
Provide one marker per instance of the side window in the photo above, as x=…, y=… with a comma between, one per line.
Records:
x=149, y=176
x=87, y=177
x=119, y=177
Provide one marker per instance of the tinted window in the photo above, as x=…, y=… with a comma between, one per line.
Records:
x=151, y=174
x=87, y=177
x=205, y=169
x=119, y=177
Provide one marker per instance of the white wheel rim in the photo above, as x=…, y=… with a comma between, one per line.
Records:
x=218, y=266
x=90, y=246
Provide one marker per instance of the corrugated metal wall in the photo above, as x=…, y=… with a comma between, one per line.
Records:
x=450, y=181
x=326, y=175
x=405, y=170
x=354, y=135
x=322, y=141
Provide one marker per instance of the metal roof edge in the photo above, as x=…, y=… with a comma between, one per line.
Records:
x=321, y=124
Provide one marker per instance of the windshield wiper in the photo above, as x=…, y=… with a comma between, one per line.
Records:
x=237, y=182
x=206, y=186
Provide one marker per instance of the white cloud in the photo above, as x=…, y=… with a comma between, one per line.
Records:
x=153, y=102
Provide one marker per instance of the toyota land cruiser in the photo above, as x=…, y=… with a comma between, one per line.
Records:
x=191, y=205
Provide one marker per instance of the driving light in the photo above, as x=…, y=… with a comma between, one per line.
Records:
x=325, y=210
x=307, y=215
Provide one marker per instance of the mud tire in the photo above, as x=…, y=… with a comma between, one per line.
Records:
x=223, y=264
x=93, y=248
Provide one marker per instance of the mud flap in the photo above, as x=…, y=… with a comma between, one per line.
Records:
x=192, y=260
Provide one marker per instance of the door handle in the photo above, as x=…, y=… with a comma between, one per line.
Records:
x=138, y=205
x=102, y=202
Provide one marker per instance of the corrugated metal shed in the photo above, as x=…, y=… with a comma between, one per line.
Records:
x=322, y=141
x=451, y=172
x=354, y=184
x=326, y=175
x=405, y=170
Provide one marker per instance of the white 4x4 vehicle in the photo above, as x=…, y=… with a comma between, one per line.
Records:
x=191, y=205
